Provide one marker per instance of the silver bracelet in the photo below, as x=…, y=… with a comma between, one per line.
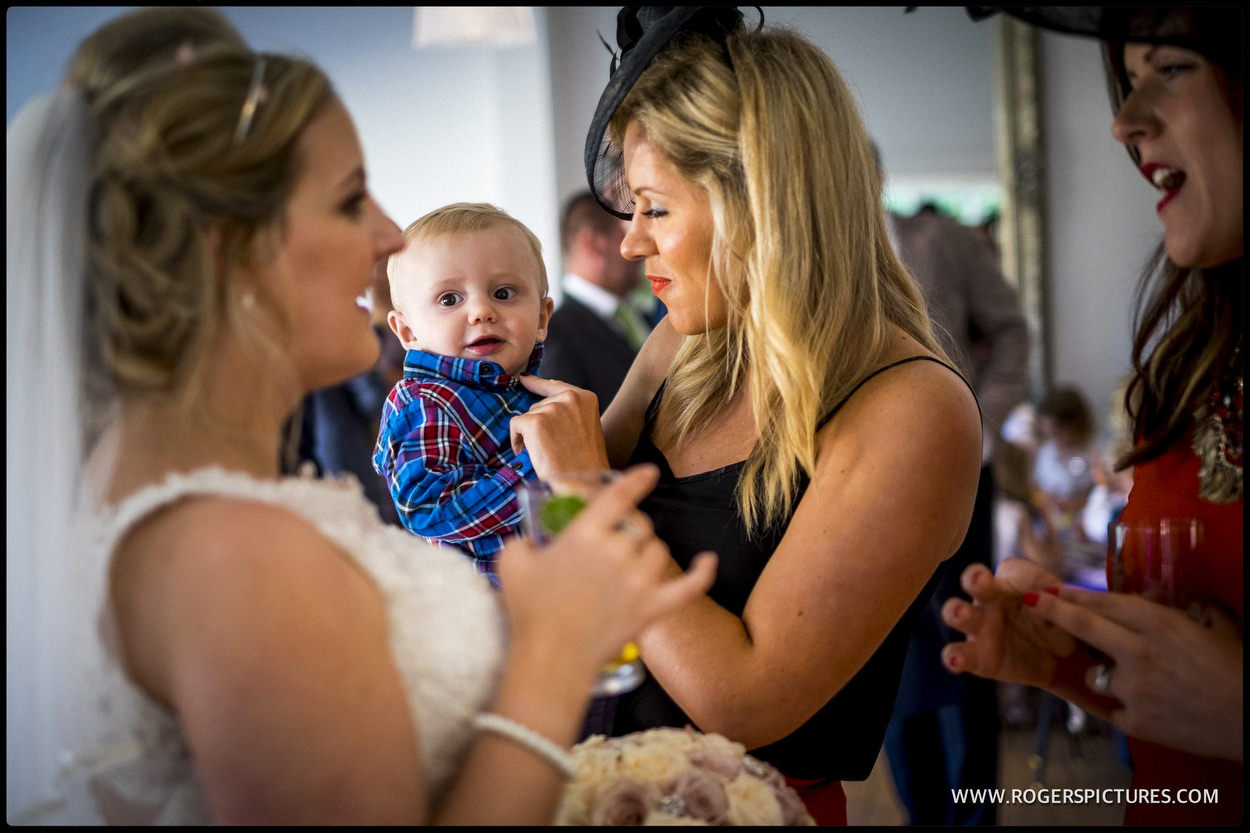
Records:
x=561, y=759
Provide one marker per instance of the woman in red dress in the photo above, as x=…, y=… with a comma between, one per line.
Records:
x=1170, y=679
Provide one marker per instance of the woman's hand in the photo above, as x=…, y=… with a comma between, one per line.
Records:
x=561, y=431
x=1005, y=641
x=1177, y=677
x=602, y=580
x=571, y=606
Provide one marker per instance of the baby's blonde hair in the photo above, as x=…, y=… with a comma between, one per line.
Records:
x=464, y=217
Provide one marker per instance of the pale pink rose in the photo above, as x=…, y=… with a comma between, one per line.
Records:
x=597, y=763
x=793, y=810
x=592, y=742
x=653, y=765
x=575, y=805
x=624, y=804
x=680, y=740
x=719, y=761
x=752, y=802
x=715, y=741
x=702, y=795
x=663, y=740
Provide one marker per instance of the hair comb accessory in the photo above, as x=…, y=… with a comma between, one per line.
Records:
x=255, y=95
x=642, y=32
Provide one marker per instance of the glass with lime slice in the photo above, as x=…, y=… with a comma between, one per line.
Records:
x=546, y=509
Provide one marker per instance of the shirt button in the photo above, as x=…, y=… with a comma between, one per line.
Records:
x=517, y=465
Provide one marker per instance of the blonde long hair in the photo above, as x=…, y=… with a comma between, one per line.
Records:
x=799, y=248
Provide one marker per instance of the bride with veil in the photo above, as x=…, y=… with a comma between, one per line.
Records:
x=191, y=636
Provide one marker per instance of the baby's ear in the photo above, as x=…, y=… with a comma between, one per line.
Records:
x=544, y=317
x=400, y=328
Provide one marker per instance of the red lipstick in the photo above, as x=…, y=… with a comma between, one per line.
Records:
x=1165, y=178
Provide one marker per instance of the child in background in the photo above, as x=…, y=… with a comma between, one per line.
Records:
x=1110, y=493
x=1062, y=474
x=471, y=309
x=1063, y=478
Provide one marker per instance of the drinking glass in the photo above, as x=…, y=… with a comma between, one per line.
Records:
x=546, y=509
x=1154, y=558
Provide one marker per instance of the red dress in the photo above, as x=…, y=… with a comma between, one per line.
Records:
x=1168, y=487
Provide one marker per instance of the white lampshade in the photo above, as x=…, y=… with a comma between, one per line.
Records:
x=435, y=26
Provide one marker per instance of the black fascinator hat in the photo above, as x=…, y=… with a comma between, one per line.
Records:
x=642, y=32
x=1215, y=32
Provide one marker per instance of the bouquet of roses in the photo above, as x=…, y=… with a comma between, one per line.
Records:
x=675, y=777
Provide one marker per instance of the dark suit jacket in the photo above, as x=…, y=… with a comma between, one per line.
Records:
x=585, y=350
x=977, y=313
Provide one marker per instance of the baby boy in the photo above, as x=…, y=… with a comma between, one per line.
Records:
x=471, y=309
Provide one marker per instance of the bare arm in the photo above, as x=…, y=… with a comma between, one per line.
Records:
x=271, y=649
x=569, y=614
x=623, y=420
x=883, y=509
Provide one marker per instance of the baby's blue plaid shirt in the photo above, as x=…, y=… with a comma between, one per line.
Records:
x=445, y=452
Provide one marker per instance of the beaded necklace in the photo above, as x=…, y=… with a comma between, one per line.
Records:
x=1218, y=437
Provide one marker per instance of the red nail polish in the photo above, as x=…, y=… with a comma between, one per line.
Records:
x=1054, y=591
x=1029, y=599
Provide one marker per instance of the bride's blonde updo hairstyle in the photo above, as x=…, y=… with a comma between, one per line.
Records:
x=763, y=122
x=148, y=39
x=186, y=192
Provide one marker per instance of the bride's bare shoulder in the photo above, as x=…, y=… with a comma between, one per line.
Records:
x=221, y=572
x=220, y=531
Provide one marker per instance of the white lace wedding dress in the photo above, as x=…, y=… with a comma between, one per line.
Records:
x=447, y=636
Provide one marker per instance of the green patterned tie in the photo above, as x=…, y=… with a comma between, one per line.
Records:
x=630, y=320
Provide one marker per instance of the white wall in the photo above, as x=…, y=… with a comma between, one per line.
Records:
x=1101, y=223
x=923, y=81
x=579, y=71
x=437, y=126
x=508, y=126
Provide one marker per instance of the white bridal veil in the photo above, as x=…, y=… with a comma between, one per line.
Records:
x=50, y=582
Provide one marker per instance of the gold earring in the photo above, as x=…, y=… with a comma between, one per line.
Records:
x=248, y=300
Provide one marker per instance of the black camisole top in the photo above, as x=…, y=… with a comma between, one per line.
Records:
x=697, y=513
